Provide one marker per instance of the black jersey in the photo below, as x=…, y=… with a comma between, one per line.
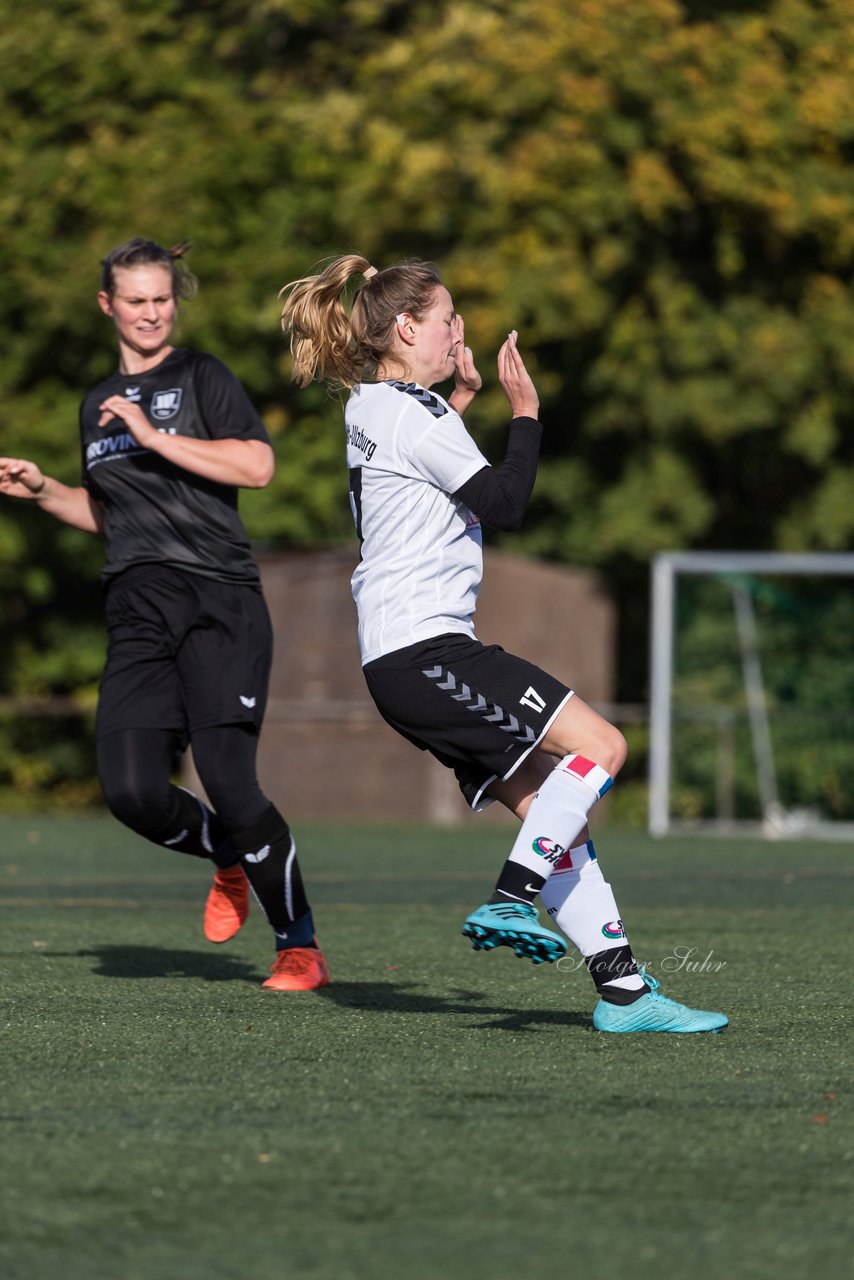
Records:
x=156, y=512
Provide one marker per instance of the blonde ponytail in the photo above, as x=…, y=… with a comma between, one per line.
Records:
x=341, y=347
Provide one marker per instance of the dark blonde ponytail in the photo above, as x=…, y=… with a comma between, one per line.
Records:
x=341, y=347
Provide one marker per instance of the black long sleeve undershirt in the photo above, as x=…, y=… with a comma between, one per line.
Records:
x=499, y=496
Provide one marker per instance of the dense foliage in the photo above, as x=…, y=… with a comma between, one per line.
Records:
x=657, y=195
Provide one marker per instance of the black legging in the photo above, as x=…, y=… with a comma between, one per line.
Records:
x=135, y=768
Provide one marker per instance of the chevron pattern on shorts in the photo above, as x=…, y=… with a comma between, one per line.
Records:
x=460, y=692
x=431, y=403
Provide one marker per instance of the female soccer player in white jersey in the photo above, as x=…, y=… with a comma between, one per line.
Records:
x=420, y=488
x=167, y=440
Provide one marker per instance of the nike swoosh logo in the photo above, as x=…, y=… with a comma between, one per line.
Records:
x=531, y=888
x=247, y=702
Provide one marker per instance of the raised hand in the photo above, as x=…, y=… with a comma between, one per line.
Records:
x=467, y=380
x=516, y=381
x=466, y=376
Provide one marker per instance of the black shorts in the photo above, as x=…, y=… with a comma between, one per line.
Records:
x=184, y=653
x=477, y=709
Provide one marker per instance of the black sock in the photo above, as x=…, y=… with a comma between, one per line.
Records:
x=605, y=966
x=268, y=857
x=517, y=883
x=195, y=830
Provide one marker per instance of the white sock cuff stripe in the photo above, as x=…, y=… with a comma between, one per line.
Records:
x=588, y=772
x=575, y=859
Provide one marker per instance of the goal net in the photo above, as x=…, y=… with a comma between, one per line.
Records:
x=752, y=694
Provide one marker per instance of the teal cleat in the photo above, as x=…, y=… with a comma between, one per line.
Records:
x=654, y=1012
x=516, y=925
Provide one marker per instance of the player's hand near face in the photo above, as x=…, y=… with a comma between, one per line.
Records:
x=131, y=415
x=516, y=381
x=20, y=478
x=467, y=380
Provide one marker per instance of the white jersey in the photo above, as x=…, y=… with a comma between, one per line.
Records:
x=422, y=557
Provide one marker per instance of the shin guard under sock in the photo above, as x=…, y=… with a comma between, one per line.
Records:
x=267, y=854
x=195, y=830
x=556, y=815
x=582, y=905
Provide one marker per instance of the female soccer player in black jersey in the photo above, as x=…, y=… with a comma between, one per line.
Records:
x=419, y=489
x=167, y=440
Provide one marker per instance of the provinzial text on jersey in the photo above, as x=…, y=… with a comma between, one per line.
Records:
x=110, y=448
x=359, y=440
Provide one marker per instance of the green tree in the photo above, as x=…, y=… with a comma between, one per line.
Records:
x=657, y=195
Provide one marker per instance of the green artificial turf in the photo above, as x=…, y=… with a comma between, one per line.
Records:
x=435, y=1113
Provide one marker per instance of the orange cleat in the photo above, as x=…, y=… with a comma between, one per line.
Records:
x=298, y=969
x=228, y=904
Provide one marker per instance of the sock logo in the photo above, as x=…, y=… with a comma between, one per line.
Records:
x=613, y=929
x=566, y=863
x=548, y=849
x=259, y=856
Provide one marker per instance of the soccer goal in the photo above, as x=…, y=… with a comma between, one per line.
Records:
x=752, y=694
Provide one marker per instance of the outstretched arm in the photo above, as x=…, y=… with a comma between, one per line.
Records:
x=20, y=478
x=246, y=463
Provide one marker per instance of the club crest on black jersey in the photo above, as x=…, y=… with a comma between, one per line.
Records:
x=165, y=404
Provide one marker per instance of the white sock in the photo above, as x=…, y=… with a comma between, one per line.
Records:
x=557, y=813
x=581, y=903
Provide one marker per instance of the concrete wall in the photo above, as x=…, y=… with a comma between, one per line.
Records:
x=326, y=753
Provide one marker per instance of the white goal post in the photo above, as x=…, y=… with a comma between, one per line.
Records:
x=775, y=822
